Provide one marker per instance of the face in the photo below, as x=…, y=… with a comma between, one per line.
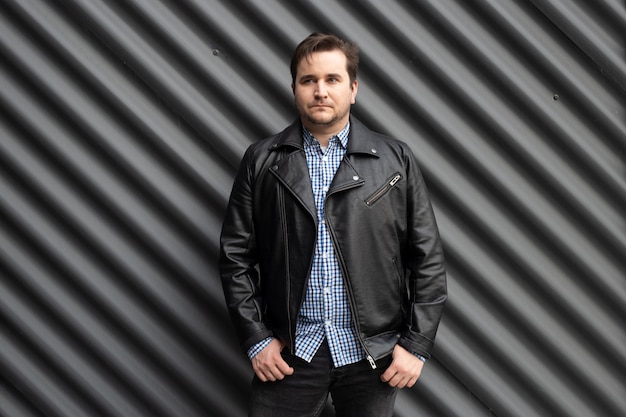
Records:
x=323, y=92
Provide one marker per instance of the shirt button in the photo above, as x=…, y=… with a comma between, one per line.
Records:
x=328, y=323
x=326, y=290
x=325, y=188
x=325, y=255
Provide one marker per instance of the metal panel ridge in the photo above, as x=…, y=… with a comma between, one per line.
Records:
x=122, y=124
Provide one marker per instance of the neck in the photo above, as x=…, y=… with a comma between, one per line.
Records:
x=323, y=133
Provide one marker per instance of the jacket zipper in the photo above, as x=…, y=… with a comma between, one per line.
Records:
x=384, y=189
x=368, y=356
x=281, y=203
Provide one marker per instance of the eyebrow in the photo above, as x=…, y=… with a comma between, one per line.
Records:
x=331, y=75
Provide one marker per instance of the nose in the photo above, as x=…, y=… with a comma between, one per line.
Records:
x=320, y=89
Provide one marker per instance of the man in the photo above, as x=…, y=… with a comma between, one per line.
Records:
x=331, y=261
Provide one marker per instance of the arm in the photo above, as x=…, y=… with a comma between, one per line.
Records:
x=427, y=285
x=238, y=260
x=425, y=262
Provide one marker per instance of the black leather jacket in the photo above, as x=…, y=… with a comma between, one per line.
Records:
x=383, y=229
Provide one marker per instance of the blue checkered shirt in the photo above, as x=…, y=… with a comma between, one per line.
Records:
x=325, y=312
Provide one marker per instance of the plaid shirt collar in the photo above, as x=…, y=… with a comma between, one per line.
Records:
x=310, y=140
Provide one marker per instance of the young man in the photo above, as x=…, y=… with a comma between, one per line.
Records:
x=331, y=261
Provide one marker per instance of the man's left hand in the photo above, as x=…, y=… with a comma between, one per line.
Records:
x=404, y=370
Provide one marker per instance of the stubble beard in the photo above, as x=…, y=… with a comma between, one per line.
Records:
x=321, y=120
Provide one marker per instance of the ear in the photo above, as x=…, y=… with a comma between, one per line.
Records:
x=355, y=88
x=293, y=89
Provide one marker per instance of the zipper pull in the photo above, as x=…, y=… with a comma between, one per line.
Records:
x=394, y=180
x=371, y=361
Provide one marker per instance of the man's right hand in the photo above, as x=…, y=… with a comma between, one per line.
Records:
x=269, y=365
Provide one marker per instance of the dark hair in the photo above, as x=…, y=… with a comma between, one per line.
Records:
x=322, y=42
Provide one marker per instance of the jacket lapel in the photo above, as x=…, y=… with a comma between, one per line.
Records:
x=293, y=172
x=291, y=169
x=360, y=142
x=346, y=177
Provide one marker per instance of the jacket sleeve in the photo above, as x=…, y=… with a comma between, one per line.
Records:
x=424, y=261
x=238, y=260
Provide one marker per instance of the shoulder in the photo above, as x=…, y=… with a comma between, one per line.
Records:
x=260, y=154
x=364, y=133
x=365, y=139
x=290, y=136
x=259, y=148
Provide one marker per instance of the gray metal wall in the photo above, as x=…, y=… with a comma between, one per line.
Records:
x=122, y=123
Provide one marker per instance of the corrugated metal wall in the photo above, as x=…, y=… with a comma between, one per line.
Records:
x=121, y=126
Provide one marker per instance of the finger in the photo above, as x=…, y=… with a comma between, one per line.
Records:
x=263, y=371
x=260, y=375
x=284, y=368
x=276, y=375
x=388, y=374
x=403, y=383
x=404, y=380
x=393, y=382
x=399, y=381
x=412, y=382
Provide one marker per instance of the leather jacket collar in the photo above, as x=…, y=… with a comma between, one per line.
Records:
x=360, y=139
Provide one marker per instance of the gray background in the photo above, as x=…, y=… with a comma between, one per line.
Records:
x=121, y=127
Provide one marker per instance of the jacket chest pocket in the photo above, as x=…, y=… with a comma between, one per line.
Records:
x=380, y=193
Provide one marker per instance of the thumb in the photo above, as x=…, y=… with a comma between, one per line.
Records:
x=284, y=367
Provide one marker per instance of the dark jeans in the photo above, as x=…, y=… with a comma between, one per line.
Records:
x=356, y=390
